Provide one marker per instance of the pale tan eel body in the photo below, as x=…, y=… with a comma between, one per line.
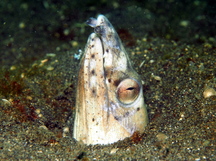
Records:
x=109, y=101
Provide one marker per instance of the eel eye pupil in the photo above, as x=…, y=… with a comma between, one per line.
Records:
x=130, y=88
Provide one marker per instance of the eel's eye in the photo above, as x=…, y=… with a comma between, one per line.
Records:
x=127, y=91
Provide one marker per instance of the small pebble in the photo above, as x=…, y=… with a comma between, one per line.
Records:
x=115, y=5
x=208, y=92
x=37, y=111
x=21, y=25
x=51, y=54
x=157, y=78
x=43, y=61
x=114, y=150
x=142, y=63
x=43, y=127
x=29, y=97
x=184, y=23
x=151, y=61
x=13, y=67
x=74, y=43
x=58, y=48
x=145, y=51
x=144, y=39
x=161, y=137
x=65, y=131
x=50, y=68
x=66, y=32
x=22, y=75
x=6, y=102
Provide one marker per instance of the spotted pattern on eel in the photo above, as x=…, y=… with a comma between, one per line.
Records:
x=109, y=99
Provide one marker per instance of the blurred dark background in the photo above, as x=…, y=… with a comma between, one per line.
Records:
x=41, y=25
x=177, y=19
